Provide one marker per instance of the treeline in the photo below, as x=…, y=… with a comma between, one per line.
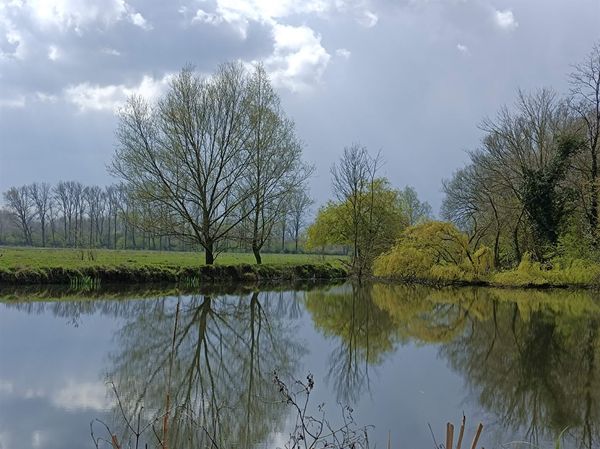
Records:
x=71, y=214
x=524, y=209
x=528, y=198
x=533, y=184
x=214, y=164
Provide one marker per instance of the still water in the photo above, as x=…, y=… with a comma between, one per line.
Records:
x=525, y=363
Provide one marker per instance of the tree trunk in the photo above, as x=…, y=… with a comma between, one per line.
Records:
x=256, y=252
x=209, y=255
x=594, y=200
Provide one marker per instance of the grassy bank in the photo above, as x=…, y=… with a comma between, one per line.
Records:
x=529, y=274
x=54, y=292
x=28, y=266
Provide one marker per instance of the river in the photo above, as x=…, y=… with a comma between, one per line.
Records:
x=402, y=361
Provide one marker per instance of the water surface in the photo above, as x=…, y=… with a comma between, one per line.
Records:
x=524, y=363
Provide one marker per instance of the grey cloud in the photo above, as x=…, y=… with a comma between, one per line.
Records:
x=406, y=89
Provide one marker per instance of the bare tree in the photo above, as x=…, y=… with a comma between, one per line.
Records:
x=188, y=154
x=353, y=181
x=585, y=101
x=95, y=199
x=299, y=204
x=63, y=201
x=20, y=205
x=69, y=198
x=40, y=195
x=275, y=165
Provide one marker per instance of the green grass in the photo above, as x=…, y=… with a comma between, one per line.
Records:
x=35, y=258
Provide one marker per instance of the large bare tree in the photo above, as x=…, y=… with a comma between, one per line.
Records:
x=185, y=156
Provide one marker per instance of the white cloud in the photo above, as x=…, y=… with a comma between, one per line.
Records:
x=5, y=440
x=298, y=58
x=45, y=98
x=368, y=19
x=53, y=53
x=138, y=20
x=76, y=14
x=31, y=393
x=463, y=49
x=79, y=14
x=6, y=386
x=343, y=53
x=111, y=51
x=207, y=17
x=505, y=19
x=13, y=38
x=37, y=439
x=239, y=13
x=93, y=97
x=85, y=395
x=13, y=102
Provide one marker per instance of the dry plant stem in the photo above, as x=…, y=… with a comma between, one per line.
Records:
x=461, y=433
x=449, y=435
x=477, y=435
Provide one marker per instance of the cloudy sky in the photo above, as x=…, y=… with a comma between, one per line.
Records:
x=412, y=78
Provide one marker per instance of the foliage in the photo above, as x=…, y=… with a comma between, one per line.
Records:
x=576, y=272
x=535, y=168
x=375, y=230
x=433, y=251
x=543, y=198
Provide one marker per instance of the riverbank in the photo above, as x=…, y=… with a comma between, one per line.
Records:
x=528, y=275
x=88, y=268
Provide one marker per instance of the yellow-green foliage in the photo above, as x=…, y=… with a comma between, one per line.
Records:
x=372, y=222
x=434, y=251
x=531, y=273
x=438, y=252
x=483, y=260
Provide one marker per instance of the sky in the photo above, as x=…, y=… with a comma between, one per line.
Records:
x=412, y=78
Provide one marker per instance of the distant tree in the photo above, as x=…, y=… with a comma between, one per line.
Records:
x=299, y=205
x=21, y=206
x=415, y=210
x=42, y=200
x=65, y=206
x=95, y=199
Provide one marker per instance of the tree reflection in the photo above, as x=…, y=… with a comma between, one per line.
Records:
x=531, y=360
x=214, y=369
x=529, y=357
x=365, y=332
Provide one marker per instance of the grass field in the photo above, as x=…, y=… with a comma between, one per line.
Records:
x=34, y=258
